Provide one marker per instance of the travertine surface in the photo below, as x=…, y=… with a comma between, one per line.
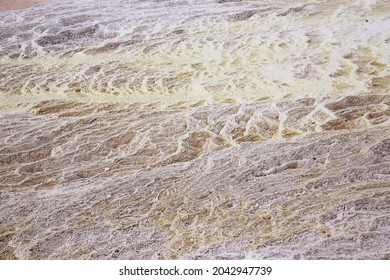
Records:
x=195, y=130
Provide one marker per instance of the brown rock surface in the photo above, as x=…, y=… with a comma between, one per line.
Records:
x=6, y=5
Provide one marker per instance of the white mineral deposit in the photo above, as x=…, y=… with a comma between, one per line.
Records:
x=183, y=129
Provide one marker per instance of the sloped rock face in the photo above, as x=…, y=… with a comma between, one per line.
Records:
x=235, y=129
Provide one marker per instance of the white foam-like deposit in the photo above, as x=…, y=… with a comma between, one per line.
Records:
x=180, y=51
x=221, y=129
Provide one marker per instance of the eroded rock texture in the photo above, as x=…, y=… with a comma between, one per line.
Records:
x=195, y=130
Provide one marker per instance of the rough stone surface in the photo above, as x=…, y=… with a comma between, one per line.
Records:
x=231, y=130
